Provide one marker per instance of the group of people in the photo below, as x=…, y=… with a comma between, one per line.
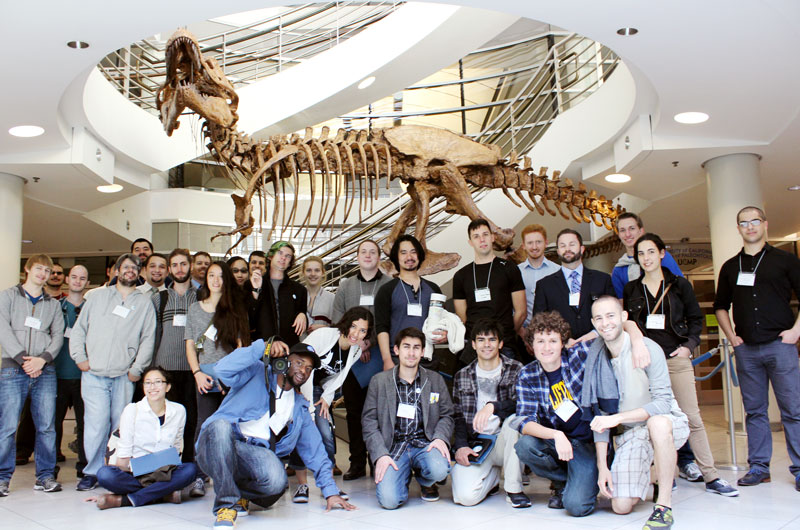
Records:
x=571, y=374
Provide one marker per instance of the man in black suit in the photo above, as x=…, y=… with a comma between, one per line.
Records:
x=571, y=290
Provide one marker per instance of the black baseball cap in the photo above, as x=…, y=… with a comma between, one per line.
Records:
x=301, y=348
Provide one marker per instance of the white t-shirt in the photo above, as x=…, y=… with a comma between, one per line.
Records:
x=284, y=405
x=488, y=382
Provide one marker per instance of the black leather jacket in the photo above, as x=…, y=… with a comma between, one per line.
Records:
x=686, y=317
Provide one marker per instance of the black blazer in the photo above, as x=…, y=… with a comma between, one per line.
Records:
x=552, y=294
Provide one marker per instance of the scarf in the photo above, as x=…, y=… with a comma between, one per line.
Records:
x=634, y=271
x=600, y=394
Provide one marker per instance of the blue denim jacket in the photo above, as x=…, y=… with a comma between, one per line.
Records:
x=248, y=399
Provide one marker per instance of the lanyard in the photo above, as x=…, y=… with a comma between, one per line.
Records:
x=764, y=251
x=372, y=294
x=412, y=290
x=475, y=279
x=397, y=389
x=647, y=298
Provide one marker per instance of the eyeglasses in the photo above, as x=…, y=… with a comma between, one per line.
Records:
x=153, y=384
x=752, y=222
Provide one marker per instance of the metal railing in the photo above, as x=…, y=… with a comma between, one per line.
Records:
x=249, y=52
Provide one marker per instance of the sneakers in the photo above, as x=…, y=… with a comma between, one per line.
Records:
x=242, y=507
x=226, y=518
x=690, y=472
x=660, y=518
x=722, y=487
x=754, y=477
x=518, y=500
x=429, y=493
x=556, y=502
x=49, y=485
x=301, y=494
x=796, y=485
x=3, y=489
x=198, y=488
x=87, y=483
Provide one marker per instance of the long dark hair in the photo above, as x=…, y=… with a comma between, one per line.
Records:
x=230, y=317
x=649, y=236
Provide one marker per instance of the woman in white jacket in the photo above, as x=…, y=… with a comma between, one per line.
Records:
x=146, y=427
x=338, y=347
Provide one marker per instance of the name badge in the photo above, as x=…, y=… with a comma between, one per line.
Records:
x=434, y=398
x=366, y=299
x=483, y=295
x=211, y=332
x=67, y=333
x=121, y=311
x=748, y=279
x=33, y=322
x=414, y=310
x=404, y=410
x=655, y=322
x=566, y=410
x=179, y=321
x=575, y=299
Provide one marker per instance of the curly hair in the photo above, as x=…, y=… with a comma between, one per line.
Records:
x=547, y=322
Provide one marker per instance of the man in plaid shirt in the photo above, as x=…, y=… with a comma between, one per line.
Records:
x=556, y=442
x=484, y=397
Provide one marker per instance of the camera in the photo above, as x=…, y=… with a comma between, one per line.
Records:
x=280, y=365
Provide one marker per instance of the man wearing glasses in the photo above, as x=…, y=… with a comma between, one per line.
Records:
x=758, y=282
x=112, y=344
x=54, y=283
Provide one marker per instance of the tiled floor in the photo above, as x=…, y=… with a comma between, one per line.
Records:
x=765, y=507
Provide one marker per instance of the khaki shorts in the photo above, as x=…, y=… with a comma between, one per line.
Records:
x=630, y=471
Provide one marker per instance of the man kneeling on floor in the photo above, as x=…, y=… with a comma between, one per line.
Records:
x=407, y=422
x=261, y=420
x=485, y=399
x=557, y=441
x=651, y=426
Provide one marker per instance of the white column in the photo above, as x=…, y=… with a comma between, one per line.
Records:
x=733, y=182
x=11, y=232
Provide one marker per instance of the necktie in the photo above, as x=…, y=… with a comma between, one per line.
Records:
x=574, y=283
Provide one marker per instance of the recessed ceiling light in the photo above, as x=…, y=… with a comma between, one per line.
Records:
x=796, y=187
x=618, y=178
x=26, y=131
x=110, y=188
x=627, y=32
x=27, y=240
x=78, y=44
x=691, y=118
x=366, y=82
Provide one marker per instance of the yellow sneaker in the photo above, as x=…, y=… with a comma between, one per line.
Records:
x=226, y=519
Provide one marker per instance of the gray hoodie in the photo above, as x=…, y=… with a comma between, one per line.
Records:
x=114, y=341
x=17, y=339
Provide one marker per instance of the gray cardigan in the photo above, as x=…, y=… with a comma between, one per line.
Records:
x=18, y=340
x=380, y=411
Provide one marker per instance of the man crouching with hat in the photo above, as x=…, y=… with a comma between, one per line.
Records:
x=262, y=419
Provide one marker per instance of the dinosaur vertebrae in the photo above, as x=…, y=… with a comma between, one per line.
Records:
x=358, y=159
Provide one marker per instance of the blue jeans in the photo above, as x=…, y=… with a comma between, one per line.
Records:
x=579, y=474
x=104, y=398
x=430, y=467
x=757, y=365
x=121, y=482
x=238, y=469
x=325, y=429
x=15, y=387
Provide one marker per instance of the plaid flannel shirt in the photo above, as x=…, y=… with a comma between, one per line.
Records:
x=465, y=396
x=533, y=387
x=408, y=431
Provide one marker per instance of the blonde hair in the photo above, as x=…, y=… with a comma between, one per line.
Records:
x=314, y=259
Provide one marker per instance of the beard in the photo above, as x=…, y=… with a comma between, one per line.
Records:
x=180, y=279
x=573, y=258
x=126, y=282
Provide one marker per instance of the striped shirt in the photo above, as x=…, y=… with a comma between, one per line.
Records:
x=408, y=431
x=171, y=354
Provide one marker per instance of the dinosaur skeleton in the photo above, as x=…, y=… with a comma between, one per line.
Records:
x=431, y=162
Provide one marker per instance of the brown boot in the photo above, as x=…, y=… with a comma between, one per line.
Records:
x=174, y=497
x=109, y=500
